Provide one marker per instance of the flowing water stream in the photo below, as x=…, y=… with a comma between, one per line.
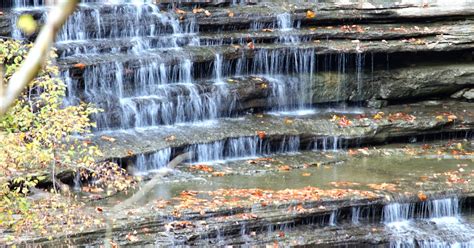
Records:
x=149, y=70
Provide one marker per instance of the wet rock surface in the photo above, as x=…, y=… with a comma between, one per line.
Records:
x=430, y=118
x=349, y=208
x=269, y=100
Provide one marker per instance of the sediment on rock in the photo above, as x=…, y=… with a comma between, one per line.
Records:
x=228, y=225
x=307, y=130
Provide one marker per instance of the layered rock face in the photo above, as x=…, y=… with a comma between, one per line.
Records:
x=288, y=85
x=148, y=68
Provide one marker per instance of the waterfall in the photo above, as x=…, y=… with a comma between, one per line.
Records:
x=144, y=163
x=218, y=151
x=138, y=62
x=355, y=215
x=284, y=21
x=406, y=223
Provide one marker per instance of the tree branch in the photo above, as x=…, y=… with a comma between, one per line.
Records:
x=37, y=55
x=141, y=193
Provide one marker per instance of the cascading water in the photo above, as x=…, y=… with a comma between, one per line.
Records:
x=408, y=223
x=284, y=21
x=131, y=60
x=234, y=148
x=27, y=3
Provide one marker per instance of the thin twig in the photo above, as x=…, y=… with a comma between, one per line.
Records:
x=141, y=193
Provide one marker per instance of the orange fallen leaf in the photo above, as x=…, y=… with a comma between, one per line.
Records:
x=306, y=174
x=344, y=122
x=250, y=45
x=107, y=138
x=113, y=244
x=202, y=167
x=218, y=174
x=180, y=11
x=198, y=10
x=261, y=134
x=284, y=168
x=353, y=152
x=230, y=14
x=451, y=118
x=310, y=14
x=79, y=66
x=132, y=238
x=422, y=196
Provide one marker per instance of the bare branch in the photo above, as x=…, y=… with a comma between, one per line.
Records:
x=152, y=183
x=142, y=193
x=37, y=55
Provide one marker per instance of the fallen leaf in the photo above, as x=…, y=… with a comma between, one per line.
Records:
x=378, y=116
x=250, y=45
x=198, y=10
x=180, y=11
x=230, y=14
x=202, y=167
x=344, y=122
x=261, y=134
x=288, y=121
x=306, y=174
x=132, y=238
x=107, y=138
x=451, y=118
x=422, y=196
x=352, y=152
x=79, y=66
x=207, y=13
x=218, y=174
x=310, y=14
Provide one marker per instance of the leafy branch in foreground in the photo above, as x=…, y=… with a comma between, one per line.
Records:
x=36, y=57
x=39, y=139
